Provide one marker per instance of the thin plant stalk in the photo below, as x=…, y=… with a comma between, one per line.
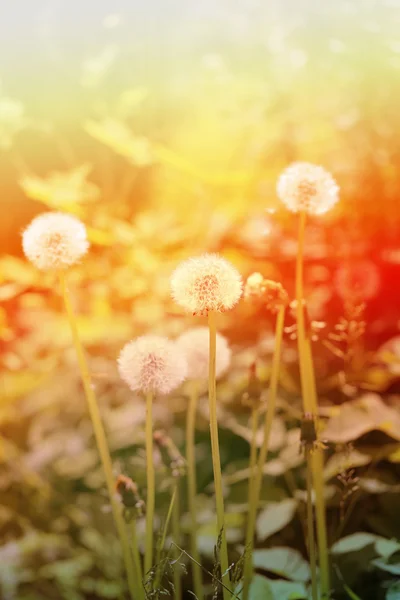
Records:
x=310, y=519
x=273, y=388
x=300, y=317
x=135, y=549
x=164, y=536
x=255, y=415
x=310, y=404
x=150, y=500
x=212, y=396
x=192, y=488
x=176, y=532
x=317, y=461
x=134, y=578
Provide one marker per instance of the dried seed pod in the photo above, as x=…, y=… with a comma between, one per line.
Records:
x=170, y=454
x=270, y=293
x=133, y=505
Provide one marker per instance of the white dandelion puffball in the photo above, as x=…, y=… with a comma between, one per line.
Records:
x=152, y=363
x=195, y=345
x=208, y=282
x=55, y=241
x=308, y=187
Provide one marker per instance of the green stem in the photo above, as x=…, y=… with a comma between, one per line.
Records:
x=150, y=500
x=134, y=578
x=135, y=550
x=310, y=405
x=273, y=389
x=176, y=531
x=300, y=317
x=163, y=537
x=310, y=522
x=317, y=461
x=192, y=488
x=255, y=413
x=212, y=397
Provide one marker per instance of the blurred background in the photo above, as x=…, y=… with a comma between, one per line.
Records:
x=176, y=119
x=164, y=126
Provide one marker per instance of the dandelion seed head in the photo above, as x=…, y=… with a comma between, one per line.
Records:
x=55, y=241
x=194, y=343
x=308, y=187
x=152, y=363
x=204, y=283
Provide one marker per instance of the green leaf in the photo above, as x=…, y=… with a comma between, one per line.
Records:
x=358, y=541
x=394, y=569
x=260, y=589
x=358, y=417
x=386, y=547
x=283, y=561
x=393, y=592
x=288, y=590
x=275, y=517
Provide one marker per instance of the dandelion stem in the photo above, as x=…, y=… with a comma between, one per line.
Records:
x=310, y=404
x=134, y=578
x=273, y=388
x=310, y=520
x=135, y=550
x=212, y=396
x=255, y=414
x=318, y=476
x=150, y=500
x=192, y=488
x=163, y=537
x=300, y=316
x=176, y=531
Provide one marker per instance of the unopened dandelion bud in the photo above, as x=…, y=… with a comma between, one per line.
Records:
x=206, y=283
x=170, y=454
x=128, y=493
x=252, y=396
x=55, y=241
x=152, y=363
x=254, y=286
x=307, y=187
x=308, y=432
x=275, y=296
x=195, y=344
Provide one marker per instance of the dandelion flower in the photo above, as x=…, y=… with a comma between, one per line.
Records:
x=206, y=283
x=55, y=241
x=152, y=363
x=308, y=187
x=195, y=345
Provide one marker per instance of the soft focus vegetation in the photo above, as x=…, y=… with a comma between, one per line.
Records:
x=168, y=146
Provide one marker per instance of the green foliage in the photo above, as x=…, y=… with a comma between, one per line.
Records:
x=275, y=517
x=284, y=562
